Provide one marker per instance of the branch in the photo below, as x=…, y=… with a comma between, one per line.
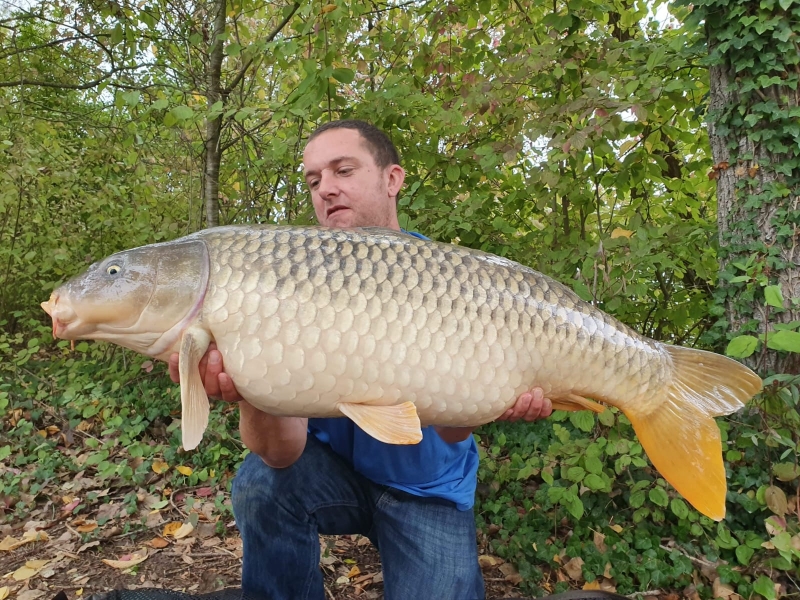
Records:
x=70, y=86
x=227, y=90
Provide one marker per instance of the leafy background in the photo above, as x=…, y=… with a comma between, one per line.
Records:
x=570, y=136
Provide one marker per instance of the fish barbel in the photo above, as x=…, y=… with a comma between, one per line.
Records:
x=396, y=333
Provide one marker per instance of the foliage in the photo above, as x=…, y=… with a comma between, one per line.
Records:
x=568, y=136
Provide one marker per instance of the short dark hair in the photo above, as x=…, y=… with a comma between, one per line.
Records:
x=377, y=142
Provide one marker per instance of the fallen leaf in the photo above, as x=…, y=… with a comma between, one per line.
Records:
x=721, y=590
x=776, y=500
x=29, y=569
x=593, y=585
x=354, y=572
x=574, y=568
x=752, y=171
x=87, y=527
x=486, y=561
x=158, y=542
x=343, y=580
x=3, y=592
x=159, y=466
x=510, y=573
x=599, y=542
x=31, y=535
x=147, y=366
x=617, y=528
x=30, y=595
x=184, y=470
x=135, y=559
x=607, y=571
x=88, y=545
x=171, y=528
x=183, y=531
x=203, y=492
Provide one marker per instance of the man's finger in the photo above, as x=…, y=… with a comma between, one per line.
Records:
x=228, y=389
x=172, y=365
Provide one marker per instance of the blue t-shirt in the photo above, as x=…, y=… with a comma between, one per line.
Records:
x=432, y=468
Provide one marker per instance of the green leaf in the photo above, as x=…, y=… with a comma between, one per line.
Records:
x=744, y=554
x=658, y=496
x=343, y=75
x=637, y=499
x=679, y=508
x=576, y=474
x=786, y=471
x=742, y=346
x=5, y=452
x=763, y=585
x=183, y=112
x=593, y=465
x=786, y=4
x=453, y=172
x=788, y=341
x=573, y=505
x=582, y=419
x=773, y=296
x=594, y=482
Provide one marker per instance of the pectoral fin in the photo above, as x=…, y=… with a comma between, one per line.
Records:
x=396, y=424
x=194, y=400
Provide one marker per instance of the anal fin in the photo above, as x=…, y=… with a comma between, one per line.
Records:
x=573, y=402
x=395, y=424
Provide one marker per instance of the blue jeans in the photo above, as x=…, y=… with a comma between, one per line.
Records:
x=428, y=547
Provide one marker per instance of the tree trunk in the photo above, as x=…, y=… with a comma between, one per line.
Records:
x=758, y=194
x=213, y=154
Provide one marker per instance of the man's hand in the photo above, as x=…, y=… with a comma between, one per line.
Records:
x=217, y=382
x=530, y=406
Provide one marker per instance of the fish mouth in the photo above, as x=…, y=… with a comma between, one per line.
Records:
x=61, y=313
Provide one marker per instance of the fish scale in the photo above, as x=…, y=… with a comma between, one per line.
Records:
x=396, y=333
x=454, y=304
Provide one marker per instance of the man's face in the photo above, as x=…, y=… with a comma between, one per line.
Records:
x=348, y=188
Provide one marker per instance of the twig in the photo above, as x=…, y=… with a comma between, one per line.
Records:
x=699, y=561
x=330, y=594
x=650, y=593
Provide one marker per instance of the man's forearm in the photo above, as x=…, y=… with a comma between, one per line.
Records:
x=279, y=441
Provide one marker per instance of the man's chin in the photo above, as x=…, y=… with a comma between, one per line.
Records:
x=342, y=218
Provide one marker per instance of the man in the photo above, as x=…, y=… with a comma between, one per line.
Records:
x=310, y=476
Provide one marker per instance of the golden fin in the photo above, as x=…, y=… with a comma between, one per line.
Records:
x=681, y=437
x=194, y=400
x=396, y=424
x=573, y=402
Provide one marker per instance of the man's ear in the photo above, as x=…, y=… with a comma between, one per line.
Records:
x=395, y=176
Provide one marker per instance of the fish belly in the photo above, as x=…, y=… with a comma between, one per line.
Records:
x=309, y=318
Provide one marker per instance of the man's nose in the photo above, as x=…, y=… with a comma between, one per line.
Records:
x=327, y=187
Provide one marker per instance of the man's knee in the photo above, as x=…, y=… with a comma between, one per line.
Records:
x=257, y=488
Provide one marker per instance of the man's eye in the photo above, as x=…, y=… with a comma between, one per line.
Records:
x=346, y=171
x=313, y=183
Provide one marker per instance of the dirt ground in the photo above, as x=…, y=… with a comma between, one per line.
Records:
x=187, y=549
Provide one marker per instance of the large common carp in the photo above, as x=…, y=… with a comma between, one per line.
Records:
x=396, y=332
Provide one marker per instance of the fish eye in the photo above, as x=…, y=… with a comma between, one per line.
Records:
x=113, y=269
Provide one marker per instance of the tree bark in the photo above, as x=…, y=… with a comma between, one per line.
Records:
x=745, y=169
x=213, y=154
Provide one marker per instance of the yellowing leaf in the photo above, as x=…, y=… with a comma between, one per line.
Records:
x=88, y=527
x=9, y=543
x=159, y=466
x=158, y=542
x=617, y=528
x=135, y=559
x=594, y=585
x=184, y=470
x=31, y=568
x=183, y=531
x=355, y=571
x=171, y=528
x=619, y=232
x=328, y=8
x=3, y=592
